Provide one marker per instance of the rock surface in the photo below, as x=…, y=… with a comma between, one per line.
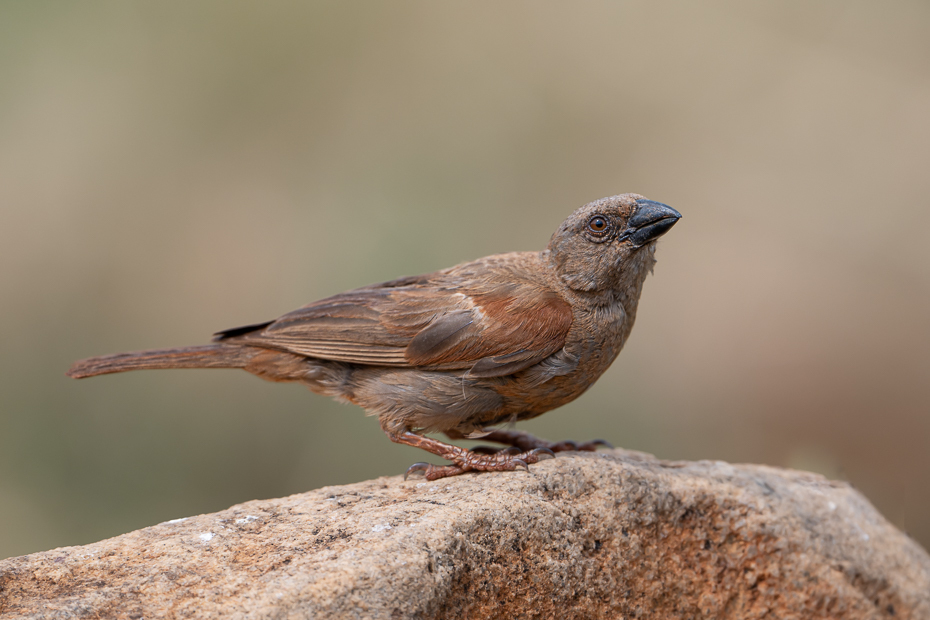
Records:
x=615, y=534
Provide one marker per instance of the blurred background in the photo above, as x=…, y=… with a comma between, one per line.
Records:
x=170, y=169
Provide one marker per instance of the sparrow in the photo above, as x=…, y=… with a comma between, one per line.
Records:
x=462, y=351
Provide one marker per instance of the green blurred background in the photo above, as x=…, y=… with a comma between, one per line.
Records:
x=169, y=169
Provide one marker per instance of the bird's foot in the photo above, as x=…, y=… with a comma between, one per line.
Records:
x=496, y=450
x=433, y=472
x=468, y=460
x=524, y=442
x=587, y=446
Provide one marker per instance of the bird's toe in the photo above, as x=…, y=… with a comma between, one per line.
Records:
x=542, y=454
x=417, y=468
x=594, y=444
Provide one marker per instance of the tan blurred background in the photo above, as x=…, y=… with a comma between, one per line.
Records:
x=169, y=169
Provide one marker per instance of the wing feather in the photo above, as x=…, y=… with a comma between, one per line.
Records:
x=493, y=325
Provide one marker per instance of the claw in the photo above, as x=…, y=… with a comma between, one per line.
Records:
x=520, y=463
x=511, y=451
x=543, y=453
x=424, y=467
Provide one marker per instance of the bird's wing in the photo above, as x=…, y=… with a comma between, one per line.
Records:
x=434, y=321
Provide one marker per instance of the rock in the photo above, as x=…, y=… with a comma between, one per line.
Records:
x=614, y=534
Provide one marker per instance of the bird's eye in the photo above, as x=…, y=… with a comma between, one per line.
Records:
x=598, y=225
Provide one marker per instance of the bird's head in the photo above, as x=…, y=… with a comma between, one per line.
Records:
x=605, y=243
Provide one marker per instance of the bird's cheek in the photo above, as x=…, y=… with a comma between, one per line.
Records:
x=620, y=257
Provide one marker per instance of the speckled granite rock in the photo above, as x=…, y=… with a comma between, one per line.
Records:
x=614, y=534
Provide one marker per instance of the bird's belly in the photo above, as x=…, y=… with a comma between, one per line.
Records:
x=447, y=400
x=525, y=399
x=557, y=391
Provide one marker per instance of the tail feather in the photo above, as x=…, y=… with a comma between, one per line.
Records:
x=207, y=356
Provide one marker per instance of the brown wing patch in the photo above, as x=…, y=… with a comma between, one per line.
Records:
x=504, y=330
x=479, y=316
x=440, y=335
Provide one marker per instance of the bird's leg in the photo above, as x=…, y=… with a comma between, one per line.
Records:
x=463, y=459
x=525, y=442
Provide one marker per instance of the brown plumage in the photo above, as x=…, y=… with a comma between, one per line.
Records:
x=499, y=339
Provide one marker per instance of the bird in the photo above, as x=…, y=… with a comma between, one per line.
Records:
x=465, y=351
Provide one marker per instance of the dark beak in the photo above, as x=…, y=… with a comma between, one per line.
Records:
x=650, y=221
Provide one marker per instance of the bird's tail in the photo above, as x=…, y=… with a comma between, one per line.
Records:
x=207, y=356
